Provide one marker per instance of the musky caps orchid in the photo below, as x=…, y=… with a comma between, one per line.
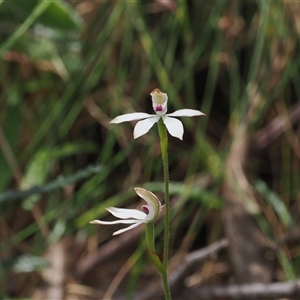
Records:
x=159, y=103
x=134, y=216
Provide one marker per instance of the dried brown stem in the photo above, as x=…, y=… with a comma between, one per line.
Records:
x=289, y=289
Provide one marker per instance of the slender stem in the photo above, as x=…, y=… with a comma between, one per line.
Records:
x=165, y=280
x=164, y=152
x=162, y=267
x=151, y=247
x=149, y=229
x=151, y=250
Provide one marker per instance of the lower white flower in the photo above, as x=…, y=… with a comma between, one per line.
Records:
x=159, y=103
x=133, y=216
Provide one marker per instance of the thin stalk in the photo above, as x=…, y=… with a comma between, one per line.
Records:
x=164, y=152
x=151, y=247
x=165, y=280
x=151, y=250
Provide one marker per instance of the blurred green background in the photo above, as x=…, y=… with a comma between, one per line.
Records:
x=68, y=67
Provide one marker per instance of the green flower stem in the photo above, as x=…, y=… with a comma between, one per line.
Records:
x=164, y=152
x=162, y=267
x=151, y=248
x=152, y=253
x=164, y=276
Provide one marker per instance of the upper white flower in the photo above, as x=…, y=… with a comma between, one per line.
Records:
x=133, y=216
x=159, y=103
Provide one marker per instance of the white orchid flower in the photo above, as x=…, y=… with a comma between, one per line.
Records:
x=159, y=103
x=133, y=216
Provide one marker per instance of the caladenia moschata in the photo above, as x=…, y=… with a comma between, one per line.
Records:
x=133, y=216
x=166, y=123
x=159, y=104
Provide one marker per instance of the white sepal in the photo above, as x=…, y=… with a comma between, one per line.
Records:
x=174, y=127
x=142, y=127
x=186, y=113
x=113, y=222
x=128, y=228
x=126, y=213
x=130, y=117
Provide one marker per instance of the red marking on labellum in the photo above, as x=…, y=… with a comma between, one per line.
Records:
x=159, y=108
x=145, y=209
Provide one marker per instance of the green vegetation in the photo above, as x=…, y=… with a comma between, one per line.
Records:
x=68, y=68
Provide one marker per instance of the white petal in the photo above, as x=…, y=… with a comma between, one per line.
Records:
x=113, y=222
x=186, y=113
x=142, y=127
x=129, y=117
x=128, y=228
x=126, y=213
x=174, y=127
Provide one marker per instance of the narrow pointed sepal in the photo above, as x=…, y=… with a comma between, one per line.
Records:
x=186, y=113
x=129, y=117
